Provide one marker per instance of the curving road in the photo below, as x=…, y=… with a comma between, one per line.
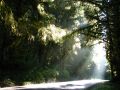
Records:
x=69, y=85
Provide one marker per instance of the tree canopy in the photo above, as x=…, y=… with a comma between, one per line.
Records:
x=37, y=36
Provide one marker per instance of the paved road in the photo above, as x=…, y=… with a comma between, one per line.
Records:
x=69, y=85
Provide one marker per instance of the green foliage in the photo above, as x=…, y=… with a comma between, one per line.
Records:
x=6, y=82
x=26, y=55
x=64, y=75
x=37, y=39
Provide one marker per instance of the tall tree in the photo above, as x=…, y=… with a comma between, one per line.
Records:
x=113, y=37
x=108, y=18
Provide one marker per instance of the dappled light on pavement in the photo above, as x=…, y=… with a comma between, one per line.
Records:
x=69, y=85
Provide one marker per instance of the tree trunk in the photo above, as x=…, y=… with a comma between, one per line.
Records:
x=113, y=38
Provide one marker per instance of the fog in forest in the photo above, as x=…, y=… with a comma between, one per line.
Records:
x=87, y=62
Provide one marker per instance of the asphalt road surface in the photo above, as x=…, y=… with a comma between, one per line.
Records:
x=69, y=85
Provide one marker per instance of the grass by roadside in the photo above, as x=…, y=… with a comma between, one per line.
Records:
x=105, y=86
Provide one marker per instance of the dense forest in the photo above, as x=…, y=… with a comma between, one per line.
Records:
x=38, y=39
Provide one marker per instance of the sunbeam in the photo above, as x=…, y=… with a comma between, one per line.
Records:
x=99, y=58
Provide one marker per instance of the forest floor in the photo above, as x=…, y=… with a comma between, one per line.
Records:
x=69, y=85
